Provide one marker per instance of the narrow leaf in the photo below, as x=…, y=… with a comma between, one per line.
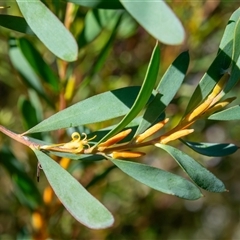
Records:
x=167, y=89
x=21, y=64
x=15, y=23
x=212, y=149
x=91, y=29
x=99, y=62
x=39, y=65
x=94, y=22
x=49, y=29
x=235, y=71
x=229, y=114
x=200, y=175
x=98, y=108
x=229, y=30
x=143, y=96
x=157, y=19
x=76, y=199
x=219, y=66
x=29, y=115
x=159, y=180
x=28, y=112
x=173, y=78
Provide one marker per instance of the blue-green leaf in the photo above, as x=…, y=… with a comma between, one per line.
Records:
x=200, y=175
x=212, y=149
x=219, y=65
x=235, y=71
x=98, y=108
x=76, y=199
x=167, y=89
x=144, y=94
x=232, y=113
x=158, y=19
x=160, y=180
x=49, y=29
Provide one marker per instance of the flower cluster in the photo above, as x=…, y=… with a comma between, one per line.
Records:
x=112, y=148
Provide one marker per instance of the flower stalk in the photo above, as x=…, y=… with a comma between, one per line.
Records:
x=112, y=147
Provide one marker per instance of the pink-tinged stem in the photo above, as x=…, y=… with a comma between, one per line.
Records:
x=18, y=137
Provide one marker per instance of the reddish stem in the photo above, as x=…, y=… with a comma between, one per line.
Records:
x=18, y=137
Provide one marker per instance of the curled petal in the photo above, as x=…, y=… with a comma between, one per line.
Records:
x=76, y=136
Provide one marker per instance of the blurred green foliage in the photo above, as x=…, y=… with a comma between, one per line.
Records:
x=114, y=52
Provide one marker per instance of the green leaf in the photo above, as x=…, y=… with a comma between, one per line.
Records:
x=153, y=113
x=229, y=30
x=15, y=23
x=173, y=78
x=235, y=71
x=128, y=26
x=210, y=78
x=97, y=66
x=167, y=89
x=212, y=149
x=95, y=21
x=143, y=96
x=28, y=112
x=25, y=190
x=157, y=19
x=21, y=64
x=92, y=28
x=200, y=175
x=229, y=114
x=23, y=67
x=98, y=108
x=219, y=66
x=40, y=67
x=76, y=199
x=113, y=4
x=159, y=180
x=49, y=29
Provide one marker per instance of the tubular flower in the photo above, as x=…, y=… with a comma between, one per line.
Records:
x=115, y=139
x=149, y=132
x=175, y=135
x=210, y=101
x=126, y=154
